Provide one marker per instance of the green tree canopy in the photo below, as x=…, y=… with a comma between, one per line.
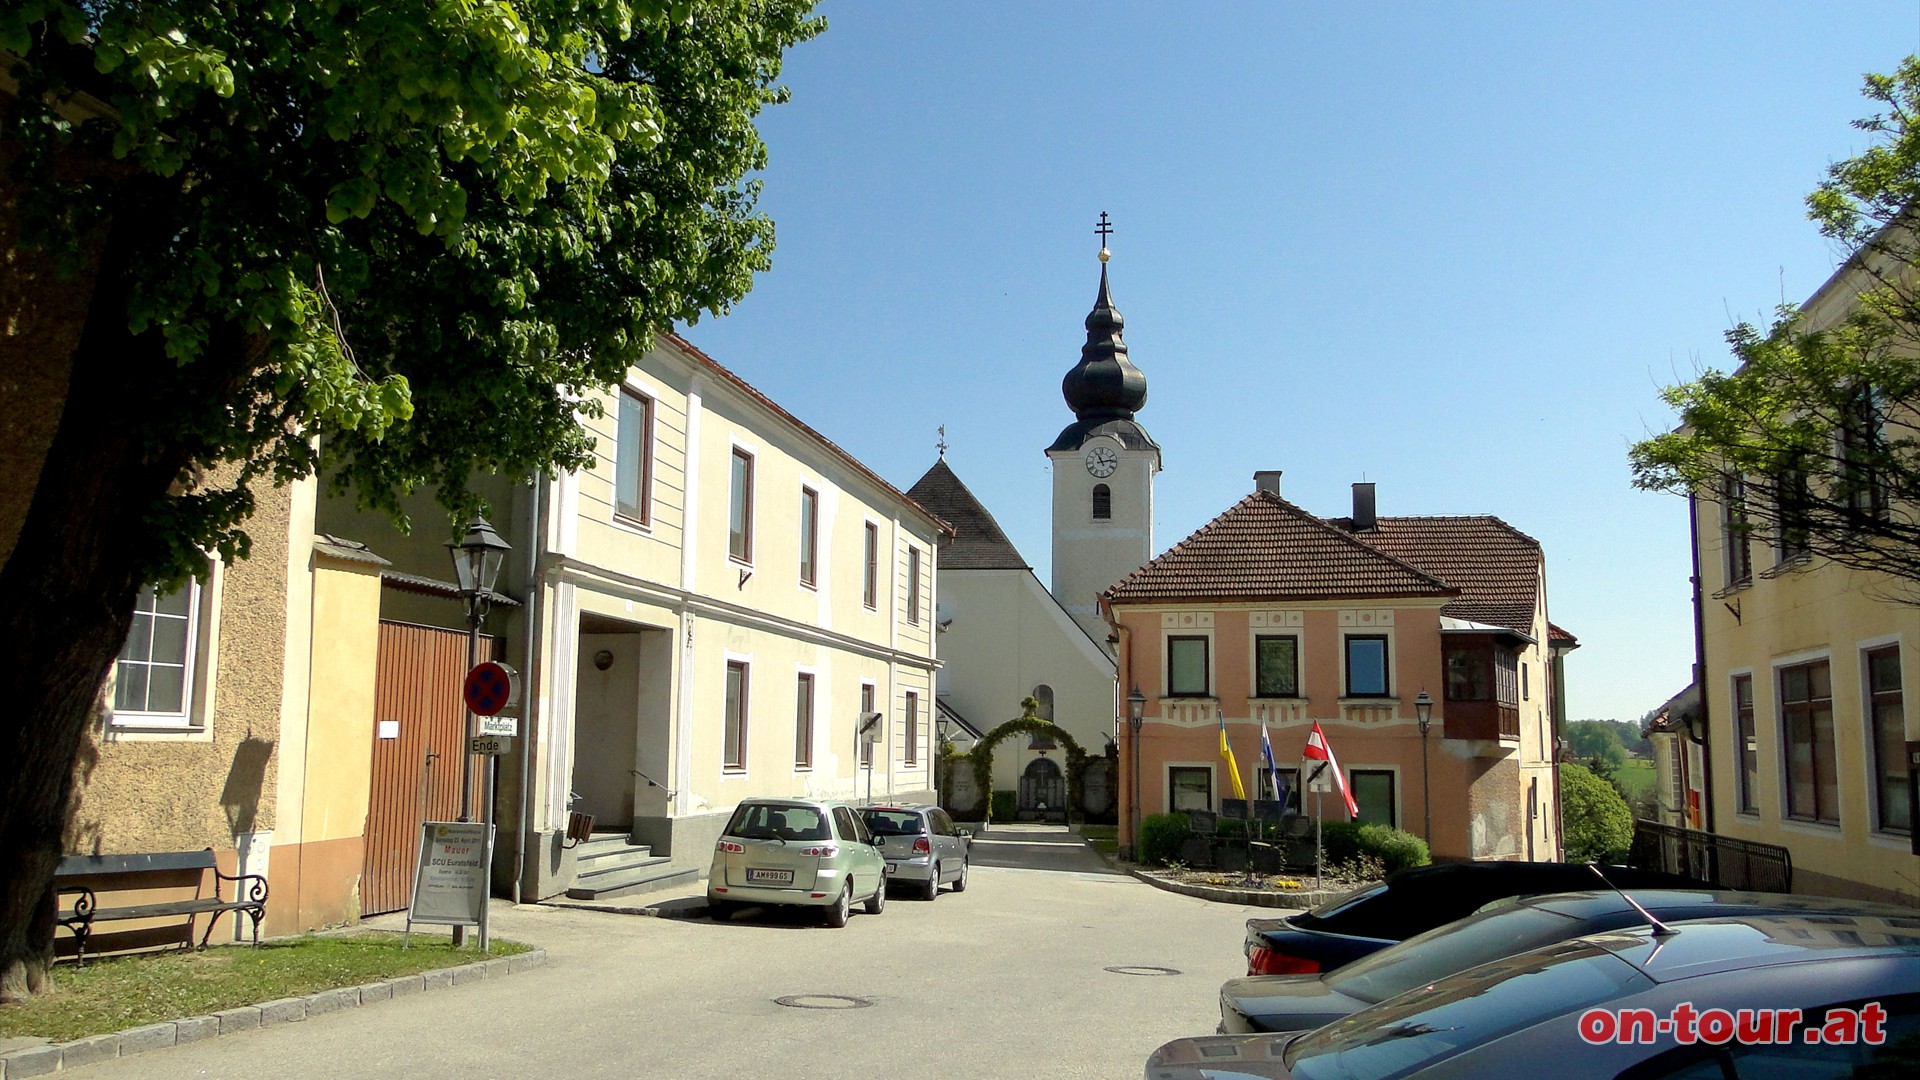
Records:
x=1598, y=824
x=1810, y=442
x=398, y=243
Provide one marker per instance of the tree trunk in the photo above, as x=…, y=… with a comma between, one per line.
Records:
x=67, y=590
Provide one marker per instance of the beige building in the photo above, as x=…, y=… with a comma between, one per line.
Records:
x=715, y=605
x=239, y=718
x=1809, y=742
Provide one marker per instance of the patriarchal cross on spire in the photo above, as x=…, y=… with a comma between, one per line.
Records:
x=1104, y=386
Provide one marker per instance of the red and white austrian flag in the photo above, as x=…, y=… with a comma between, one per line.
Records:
x=1319, y=750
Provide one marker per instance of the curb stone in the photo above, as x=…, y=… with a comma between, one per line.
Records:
x=52, y=1057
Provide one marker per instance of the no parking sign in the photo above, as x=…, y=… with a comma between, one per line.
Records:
x=491, y=686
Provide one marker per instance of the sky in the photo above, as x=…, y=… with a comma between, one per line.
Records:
x=1452, y=249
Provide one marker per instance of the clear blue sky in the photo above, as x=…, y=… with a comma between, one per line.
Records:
x=1454, y=249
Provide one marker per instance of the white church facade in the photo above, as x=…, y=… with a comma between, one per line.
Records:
x=1004, y=636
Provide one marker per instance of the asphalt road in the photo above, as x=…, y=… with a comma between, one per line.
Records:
x=1007, y=979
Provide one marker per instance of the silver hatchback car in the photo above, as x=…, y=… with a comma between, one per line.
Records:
x=921, y=845
x=798, y=852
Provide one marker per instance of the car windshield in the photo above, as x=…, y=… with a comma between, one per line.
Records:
x=761, y=821
x=1462, y=1011
x=1456, y=946
x=893, y=822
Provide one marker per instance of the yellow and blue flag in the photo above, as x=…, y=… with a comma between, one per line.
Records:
x=1226, y=751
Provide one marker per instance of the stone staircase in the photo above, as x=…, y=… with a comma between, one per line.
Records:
x=611, y=865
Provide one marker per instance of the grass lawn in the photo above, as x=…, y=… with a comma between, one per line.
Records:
x=1103, y=838
x=127, y=991
x=1636, y=777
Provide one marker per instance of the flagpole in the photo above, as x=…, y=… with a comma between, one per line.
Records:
x=1319, y=852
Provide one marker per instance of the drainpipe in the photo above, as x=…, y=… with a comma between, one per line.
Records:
x=1699, y=670
x=1123, y=672
x=529, y=711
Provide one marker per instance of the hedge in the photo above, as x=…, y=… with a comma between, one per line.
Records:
x=1345, y=841
x=1161, y=837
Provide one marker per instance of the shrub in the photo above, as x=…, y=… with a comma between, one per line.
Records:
x=1161, y=837
x=1396, y=849
x=1599, y=826
x=1346, y=843
x=1006, y=804
x=1339, y=842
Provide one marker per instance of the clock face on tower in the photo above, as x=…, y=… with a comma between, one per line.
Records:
x=1101, y=461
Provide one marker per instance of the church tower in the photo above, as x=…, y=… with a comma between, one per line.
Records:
x=1103, y=468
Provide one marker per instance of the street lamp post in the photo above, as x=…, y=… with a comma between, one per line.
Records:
x=477, y=559
x=1136, y=715
x=1423, y=708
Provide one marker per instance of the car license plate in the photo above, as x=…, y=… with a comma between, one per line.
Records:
x=769, y=877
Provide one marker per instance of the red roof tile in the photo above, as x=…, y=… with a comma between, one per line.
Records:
x=1495, y=566
x=1266, y=548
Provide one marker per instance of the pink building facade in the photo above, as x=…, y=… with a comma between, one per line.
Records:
x=1270, y=617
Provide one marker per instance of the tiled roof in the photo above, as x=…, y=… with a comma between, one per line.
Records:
x=977, y=542
x=1560, y=638
x=1266, y=548
x=1495, y=566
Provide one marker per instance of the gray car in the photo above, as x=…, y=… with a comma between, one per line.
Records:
x=798, y=852
x=921, y=845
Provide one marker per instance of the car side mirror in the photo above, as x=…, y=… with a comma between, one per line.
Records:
x=964, y=833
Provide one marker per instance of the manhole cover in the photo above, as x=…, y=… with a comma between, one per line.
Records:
x=1143, y=969
x=822, y=1001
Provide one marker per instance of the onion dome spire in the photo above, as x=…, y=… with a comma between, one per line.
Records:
x=1104, y=385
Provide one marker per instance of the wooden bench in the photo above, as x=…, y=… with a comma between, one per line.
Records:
x=79, y=916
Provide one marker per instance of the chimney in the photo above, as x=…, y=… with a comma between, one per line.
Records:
x=1267, y=480
x=1363, y=508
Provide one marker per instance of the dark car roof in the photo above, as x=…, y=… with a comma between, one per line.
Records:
x=1757, y=941
x=1587, y=903
x=1425, y=897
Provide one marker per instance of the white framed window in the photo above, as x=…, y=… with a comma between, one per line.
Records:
x=1886, y=739
x=740, y=508
x=913, y=585
x=870, y=589
x=1276, y=666
x=633, y=459
x=1807, y=740
x=163, y=678
x=734, y=747
x=1366, y=659
x=1189, y=665
x=910, y=754
x=1189, y=787
x=803, y=722
x=809, y=536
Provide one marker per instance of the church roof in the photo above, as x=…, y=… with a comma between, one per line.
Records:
x=977, y=542
x=1266, y=548
x=1495, y=566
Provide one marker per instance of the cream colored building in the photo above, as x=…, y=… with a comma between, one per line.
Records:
x=1804, y=663
x=721, y=599
x=702, y=616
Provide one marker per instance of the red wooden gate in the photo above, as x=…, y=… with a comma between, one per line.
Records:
x=416, y=771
